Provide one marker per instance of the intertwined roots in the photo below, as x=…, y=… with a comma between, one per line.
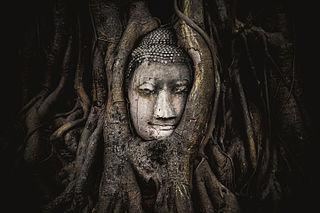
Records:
x=230, y=143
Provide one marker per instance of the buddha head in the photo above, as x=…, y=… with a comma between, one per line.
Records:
x=159, y=80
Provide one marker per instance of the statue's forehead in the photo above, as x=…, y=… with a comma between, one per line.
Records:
x=157, y=70
x=162, y=79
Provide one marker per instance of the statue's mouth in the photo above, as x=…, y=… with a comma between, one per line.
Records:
x=163, y=126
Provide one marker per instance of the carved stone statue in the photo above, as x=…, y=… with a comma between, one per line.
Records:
x=160, y=79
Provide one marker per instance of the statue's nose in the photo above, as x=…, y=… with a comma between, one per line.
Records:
x=163, y=107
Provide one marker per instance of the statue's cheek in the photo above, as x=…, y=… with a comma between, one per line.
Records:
x=141, y=111
x=179, y=102
x=144, y=107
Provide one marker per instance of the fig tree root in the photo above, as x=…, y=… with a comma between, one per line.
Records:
x=243, y=120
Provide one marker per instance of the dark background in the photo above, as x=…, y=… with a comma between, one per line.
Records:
x=15, y=16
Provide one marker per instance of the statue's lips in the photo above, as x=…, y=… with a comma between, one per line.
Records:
x=163, y=127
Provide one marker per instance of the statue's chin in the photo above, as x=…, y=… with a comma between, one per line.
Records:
x=162, y=134
x=158, y=134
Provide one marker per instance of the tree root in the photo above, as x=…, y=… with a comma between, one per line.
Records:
x=52, y=98
x=60, y=201
x=82, y=176
x=82, y=99
x=39, y=111
x=221, y=164
x=32, y=103
x=72, y=138
x=213, y=196
x=58, y=41
x=251, y=145
x=73, y=195
x=64, y=114
x=197, y=112
x=71, y=122
x=237, y=153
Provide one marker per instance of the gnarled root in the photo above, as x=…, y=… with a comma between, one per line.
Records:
x=212, y=195
x=36, y=115
x=197, y=111
x=250, y=144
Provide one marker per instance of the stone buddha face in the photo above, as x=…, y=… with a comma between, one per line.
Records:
x=157, y=95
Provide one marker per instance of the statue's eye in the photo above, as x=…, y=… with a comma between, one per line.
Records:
x=181, y=89
x=146, y=91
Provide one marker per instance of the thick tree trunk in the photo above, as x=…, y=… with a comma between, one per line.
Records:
x=240, y=135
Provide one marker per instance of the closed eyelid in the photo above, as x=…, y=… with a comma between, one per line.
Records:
x=146, y=85
x=181, y=86
x=184, y=82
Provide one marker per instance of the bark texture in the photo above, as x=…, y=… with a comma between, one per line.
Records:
x=238, y=146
